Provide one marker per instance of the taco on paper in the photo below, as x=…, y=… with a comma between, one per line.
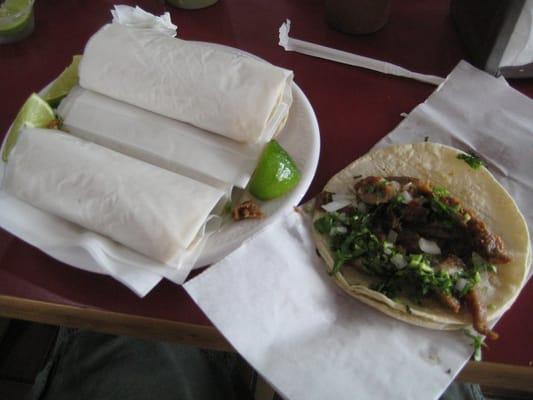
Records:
x=417, y=233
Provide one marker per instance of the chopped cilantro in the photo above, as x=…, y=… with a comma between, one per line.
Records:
x=356, y=241
x=481, y=265
x=477, y=343
x=228, y=207
x=325, y=223
x=353, y=242
x=471, y=159
x=439, y=191
x=340, y=260
x=442, y=209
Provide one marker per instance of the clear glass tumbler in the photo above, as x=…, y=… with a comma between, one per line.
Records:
x=357, y=16
x=192, y=4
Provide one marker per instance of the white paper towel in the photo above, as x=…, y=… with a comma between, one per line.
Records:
x=274, y=302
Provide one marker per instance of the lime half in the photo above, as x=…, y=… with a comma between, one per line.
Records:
x=63, y=83
x=35, y=113
x=275, y=174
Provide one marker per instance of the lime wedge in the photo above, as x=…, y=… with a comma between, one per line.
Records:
x=14, y=16
x=63, y=83
x=275, y=174
x=10, y=7
x=35, y=113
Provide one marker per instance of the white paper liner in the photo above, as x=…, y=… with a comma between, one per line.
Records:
x=327, y=53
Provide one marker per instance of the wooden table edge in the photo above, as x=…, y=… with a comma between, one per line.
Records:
x=498, y=375
x=116, y=323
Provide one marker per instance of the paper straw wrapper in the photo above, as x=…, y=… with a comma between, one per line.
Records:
x=327, y=53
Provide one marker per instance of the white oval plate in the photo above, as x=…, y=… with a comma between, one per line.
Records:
x=76, y=246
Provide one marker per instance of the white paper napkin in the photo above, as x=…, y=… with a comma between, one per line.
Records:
x=277, y=306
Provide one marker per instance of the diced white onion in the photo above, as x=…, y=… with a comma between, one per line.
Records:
x=451, y=270
x=336, y=205
x=460, y=284
x=392, y=236
x=337, y=230
x=406, y=197
x=362, y=207
x=428, y=246
x=398, y=260
x=344, y=197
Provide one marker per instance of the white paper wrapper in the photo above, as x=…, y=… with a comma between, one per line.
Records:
x=316, y=50
x=148, y=209
x=68, y=179
x=215, y=89
x=273, y=300
x=161, y=141
x=136, y=17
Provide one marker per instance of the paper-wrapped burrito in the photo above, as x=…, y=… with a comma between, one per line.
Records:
x=213, y=88
x=158, y=140
x=148, y=209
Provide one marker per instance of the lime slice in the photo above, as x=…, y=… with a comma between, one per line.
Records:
x=275, y=174
x=10, y=7
x=35, y=113
x=14, y=16
x=63, y=84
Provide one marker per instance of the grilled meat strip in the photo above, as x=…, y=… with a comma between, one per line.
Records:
x=479, y=314
x=440, y=218
x=489, y=246
x=376, y=190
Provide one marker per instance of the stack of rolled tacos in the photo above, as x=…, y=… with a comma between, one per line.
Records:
x=158, y=133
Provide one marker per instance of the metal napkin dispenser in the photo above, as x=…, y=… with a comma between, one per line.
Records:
x=497, y=34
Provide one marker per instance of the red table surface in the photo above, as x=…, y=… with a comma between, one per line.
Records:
x=354, y=107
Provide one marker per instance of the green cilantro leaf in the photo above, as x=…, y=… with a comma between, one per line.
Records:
x=471, y=159
x=477, y=343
